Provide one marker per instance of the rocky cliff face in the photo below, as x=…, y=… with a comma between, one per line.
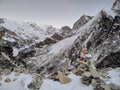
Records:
x=82, y=21
x=102, y=39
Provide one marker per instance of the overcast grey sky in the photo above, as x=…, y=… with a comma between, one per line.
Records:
x=52, y=12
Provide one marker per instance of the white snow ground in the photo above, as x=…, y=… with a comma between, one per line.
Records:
x=24, y=79
x=74, y=85
x=20, y=84
x=114, y=76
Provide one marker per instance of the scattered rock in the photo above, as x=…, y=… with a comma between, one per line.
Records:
x=14, y=79
x=63, y=79
x=87, y=74
x=94, y=73
x=94, y=83
x=7, y=80
x=86, y=80
x=36, y=83
x=54, y=76
x=79, y=73
x=0, y=78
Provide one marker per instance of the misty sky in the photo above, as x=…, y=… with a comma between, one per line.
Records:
x=52, y=12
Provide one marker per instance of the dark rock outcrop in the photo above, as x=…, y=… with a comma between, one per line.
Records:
x=47, y=41
x=102, y=39
x=7, y=49
x=28, y=52
x=56, y=36
x=82, y=21
x=112, y=60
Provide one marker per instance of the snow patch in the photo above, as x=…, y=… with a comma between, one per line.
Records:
x=74, y=85
x=114, y=76
x=20, y=84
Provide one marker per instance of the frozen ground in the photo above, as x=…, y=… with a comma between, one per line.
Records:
x=114, y=76
x=24, y=79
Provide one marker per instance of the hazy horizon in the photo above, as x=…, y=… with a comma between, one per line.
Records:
x=51, y=12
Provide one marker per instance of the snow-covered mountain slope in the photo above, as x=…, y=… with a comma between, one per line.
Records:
x=30, y=31
x=50, y=54
x=54, y=52
x=22, y=35
x=101, y=36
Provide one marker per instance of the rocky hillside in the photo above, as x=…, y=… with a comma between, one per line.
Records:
x=38, y=46
x=30, y=48
x=101, y=36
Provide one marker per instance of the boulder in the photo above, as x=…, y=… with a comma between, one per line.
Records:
x=94, y=73
x=63, y=79
x=94, y=83
x=36, y=83
x=14, y=79
x=54, y=76
x=86, y=80
x=87, y=74
x=7, y=80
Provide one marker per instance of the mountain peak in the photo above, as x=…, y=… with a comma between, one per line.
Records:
x=83, y=20
x=116, y=7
